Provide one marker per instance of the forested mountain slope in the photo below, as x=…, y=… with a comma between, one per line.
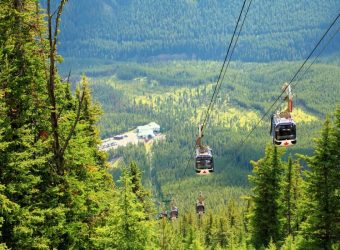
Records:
x=168, y=29
x=176, y=94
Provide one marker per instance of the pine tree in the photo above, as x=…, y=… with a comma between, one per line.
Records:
x=335, y=145
x=222, y=234
x=265, y=216
x=44, y=206
x=142, y=195
x=321, y=228
x=235, y=228
x=23, y=146
x=208, y=234
x=289, y=244
x=133, y=232
x=89, y=189
x=169, y=235
x=292, y=192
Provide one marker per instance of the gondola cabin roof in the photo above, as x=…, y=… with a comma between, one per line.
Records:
x=204, y=151
x=281, y=120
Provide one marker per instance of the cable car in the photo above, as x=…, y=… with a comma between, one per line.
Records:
x=200, y=208
x=174, y=213
x=204, y=160
x=283, y=127
x=163, y=214
x=283, y=130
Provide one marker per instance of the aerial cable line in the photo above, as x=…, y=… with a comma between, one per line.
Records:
x=314, y=60
x=222, y=69
x=293, y=78
x=316, y=46
x=231, y=54
x=321, y=51
x=188, y=162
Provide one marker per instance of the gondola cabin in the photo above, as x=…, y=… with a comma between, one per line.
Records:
x=174, y=213
x=283, y=131
x=204, y=160
x=163, y=214
x=200, y=208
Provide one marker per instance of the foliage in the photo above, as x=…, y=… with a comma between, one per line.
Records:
x=185, y=29
x=55, y=188
x=265, y=217
x=42, y=207
x=321, y=227
x=292, y=186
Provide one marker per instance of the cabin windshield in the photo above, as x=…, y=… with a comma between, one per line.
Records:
x=204, y=162
x=285, y=132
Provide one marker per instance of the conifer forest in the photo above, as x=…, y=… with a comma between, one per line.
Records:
x=170, y=124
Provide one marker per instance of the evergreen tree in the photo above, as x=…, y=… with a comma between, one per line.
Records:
x=169, y=235
x=142, y=195
x=335, y=133
x=321, y=228
x=292, y=192
x=42, y=207
x=125, y=226
x=132, y=231
x=235, y=225
x=89, y=189
x=23, y=133
x=289, y=244
x=222, y=234
x=208, y=233
x=265, y=215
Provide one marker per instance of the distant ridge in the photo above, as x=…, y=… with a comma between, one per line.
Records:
x=194, y=29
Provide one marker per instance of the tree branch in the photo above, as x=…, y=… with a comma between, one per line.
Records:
x=68, y=82
x=51, y=88
x=52, y=39
x=62, y=151
x=57, y=23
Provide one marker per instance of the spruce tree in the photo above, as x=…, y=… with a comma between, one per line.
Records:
x=321, y=228
x=292, y=197
x=132, y=231
x=89, y=189
x=23, y=144
x=141, y=193
x=222, y=235
x=169, y=235
x=335, y=134
x=208, y=231
x=265, y=216
x=42, y=205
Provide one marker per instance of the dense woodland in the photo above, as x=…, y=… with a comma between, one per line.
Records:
x=189, y=29
x=58, y=191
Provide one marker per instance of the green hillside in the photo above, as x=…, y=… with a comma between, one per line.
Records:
x=185, y=29
x=176, y=95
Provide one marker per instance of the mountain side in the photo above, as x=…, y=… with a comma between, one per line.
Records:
x=186, y=29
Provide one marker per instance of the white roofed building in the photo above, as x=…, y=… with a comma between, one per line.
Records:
x=148, y=131
x=146, y=134
x=154, y=126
